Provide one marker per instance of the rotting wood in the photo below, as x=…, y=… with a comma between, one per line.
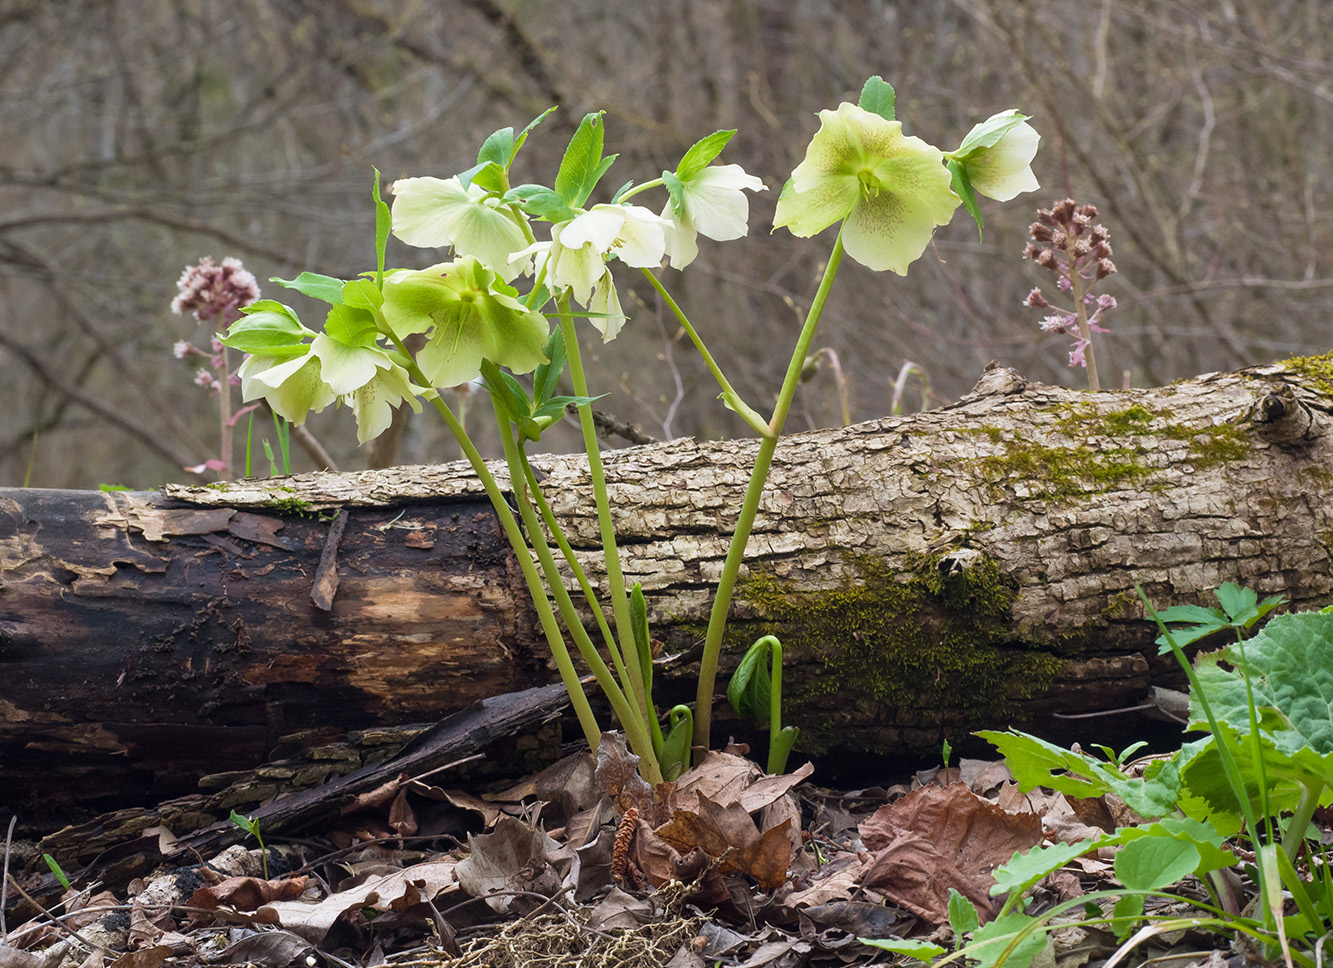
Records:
x=928, y=574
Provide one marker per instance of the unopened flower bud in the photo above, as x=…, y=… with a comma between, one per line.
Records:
x=1040, y=232
x=1106, y=301
x=1036, y=300
x=809, y=369
x=1105, y=267
x=1081, y=248
x=1045, y=258
x=182, y=349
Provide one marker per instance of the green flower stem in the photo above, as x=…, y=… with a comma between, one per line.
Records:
x=615, y=577
x=568, y=552
x=775, y=706
x=225, y=444
x=717, y=620
x=638, y=189
x=550, y=627
x=635, y=729
x=729, y=394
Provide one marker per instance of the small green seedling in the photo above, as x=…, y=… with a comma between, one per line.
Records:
x=57, y=871
x=251, y=826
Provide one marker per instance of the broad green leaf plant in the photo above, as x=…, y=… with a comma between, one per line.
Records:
x=528, y=260
x=1263, y=767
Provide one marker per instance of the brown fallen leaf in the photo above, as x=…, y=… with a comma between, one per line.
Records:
x=618, y=779
x=512, y=858
x=936, y=838
x=247, y=893
x=390, y=892
x=729, y=836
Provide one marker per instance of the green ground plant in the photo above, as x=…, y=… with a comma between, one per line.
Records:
x=1265, y=763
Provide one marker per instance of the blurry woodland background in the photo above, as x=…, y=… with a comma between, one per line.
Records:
x=136, y=137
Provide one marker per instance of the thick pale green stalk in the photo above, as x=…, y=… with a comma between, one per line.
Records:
x=729, y=394
x=550, y=627
x=568, y=552
x=717, y=620
x=615, y=577
x=635, y=730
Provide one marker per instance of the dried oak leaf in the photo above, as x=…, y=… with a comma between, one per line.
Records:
x=728, y=835
x=936, y=838
x=247, y=893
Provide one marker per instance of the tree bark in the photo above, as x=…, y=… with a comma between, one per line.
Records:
x=973, y=566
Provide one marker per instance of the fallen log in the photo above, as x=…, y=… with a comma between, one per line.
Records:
x=928, y=574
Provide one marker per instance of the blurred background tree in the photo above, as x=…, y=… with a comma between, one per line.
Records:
x=136, y=138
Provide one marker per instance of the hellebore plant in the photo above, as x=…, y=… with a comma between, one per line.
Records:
x=886, y=191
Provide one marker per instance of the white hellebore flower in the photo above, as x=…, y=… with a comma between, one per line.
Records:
x=292, y=385
x=997, y=155
x=438, y=212
x=713, y=204
x=576, y=254
x=364, y=378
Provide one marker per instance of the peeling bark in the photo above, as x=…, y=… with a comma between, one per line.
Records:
x=928, y=574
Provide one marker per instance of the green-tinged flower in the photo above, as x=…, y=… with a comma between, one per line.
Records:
x=468, y=319
x=605, y=301
x=891, y=190
x=712, y=202
x=364, y=378
x=576, y=254
x=437, y=212
x=997, y=156
x=292, y=385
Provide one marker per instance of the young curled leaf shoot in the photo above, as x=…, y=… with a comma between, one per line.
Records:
x=755, y=693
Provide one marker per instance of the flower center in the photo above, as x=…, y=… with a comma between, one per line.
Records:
x=869, y=183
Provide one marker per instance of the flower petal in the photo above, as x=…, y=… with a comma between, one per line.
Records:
x=432, y=212
x=1004, y=170
x=606, y=300
x=347, y=368
x=293, y=386
x=717, y=205
x=891, y=230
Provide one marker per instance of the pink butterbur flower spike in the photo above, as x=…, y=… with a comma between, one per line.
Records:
x=215, y=293
x=1067, y=244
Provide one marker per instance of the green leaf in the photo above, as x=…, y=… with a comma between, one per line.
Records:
x=780, y=747
x=676, y=746
x=546, y=378
x=57, y=870
x=351, y=326
x=676, y=190
x=1035, y=762
x=920, y=950
x=963, y=916
x=1290, y=666
x=877, y=97
x=1027, y=867
x=962, y=187
x=268, y=328
x=508, y=392
x=523, y=136
x=497, y=149
x=702, y=153
x=638, y=617
x=750, y=688
x=539, y=202
x=383, y=223
x=1152, y=863
x=1005, y=940
x=324, y=288
x=576, y=178
x=488, y=176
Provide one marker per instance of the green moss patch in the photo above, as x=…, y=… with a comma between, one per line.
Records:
x=1122, y=454
x=927, y=644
